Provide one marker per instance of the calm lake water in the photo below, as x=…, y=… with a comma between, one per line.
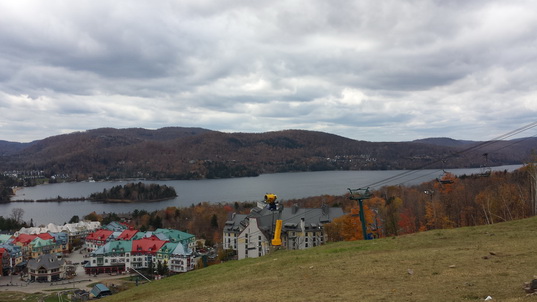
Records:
x=285, y=185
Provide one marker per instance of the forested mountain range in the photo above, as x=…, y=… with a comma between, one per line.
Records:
x=194, y=153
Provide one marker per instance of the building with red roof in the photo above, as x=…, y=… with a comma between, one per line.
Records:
x=143, y=251
x=127, y=235
x=23, y=241
x=97, y=239
x=45, y=236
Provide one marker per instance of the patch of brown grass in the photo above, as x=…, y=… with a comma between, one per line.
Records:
x=466, y=264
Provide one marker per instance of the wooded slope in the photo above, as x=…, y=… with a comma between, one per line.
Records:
x=193, y=153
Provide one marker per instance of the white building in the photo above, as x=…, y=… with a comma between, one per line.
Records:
x=251, y=235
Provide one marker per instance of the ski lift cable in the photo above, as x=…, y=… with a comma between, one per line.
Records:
x=472, y=148
x=410, y=172
x=486, y=160
x=516, y=142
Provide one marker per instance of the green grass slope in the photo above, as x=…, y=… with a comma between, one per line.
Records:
x=466, y=264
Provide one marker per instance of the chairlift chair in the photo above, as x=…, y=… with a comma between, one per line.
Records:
x=485, y=170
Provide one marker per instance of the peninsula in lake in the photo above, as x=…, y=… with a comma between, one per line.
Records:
x=135, y=192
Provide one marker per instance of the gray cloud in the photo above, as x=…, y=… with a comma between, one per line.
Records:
x=381, y=71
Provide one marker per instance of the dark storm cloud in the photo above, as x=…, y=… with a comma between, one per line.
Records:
x=393, y=69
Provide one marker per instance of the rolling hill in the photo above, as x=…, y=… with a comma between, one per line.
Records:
x=195, y=153
x=465, y=264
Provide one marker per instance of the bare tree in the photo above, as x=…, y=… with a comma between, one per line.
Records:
x=16, y=214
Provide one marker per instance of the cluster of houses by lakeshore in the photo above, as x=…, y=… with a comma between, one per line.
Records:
x=38, y=251
x=116, y=248
x=113, y=248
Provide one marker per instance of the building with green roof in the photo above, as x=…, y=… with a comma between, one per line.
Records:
x=113, y=257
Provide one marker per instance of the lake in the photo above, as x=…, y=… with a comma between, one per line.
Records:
x=285, y=185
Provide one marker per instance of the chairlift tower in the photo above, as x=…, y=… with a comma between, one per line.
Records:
x=361, y=194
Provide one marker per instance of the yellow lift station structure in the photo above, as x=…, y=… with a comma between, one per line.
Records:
x=277, y=241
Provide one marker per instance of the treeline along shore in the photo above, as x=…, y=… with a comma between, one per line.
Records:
x=132, y=192
x=55, y=199
x=135, y=192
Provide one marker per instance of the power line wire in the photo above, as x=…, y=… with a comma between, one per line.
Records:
x=469, y=149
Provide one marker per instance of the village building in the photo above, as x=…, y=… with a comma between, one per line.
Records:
x=115, y=226
x=5, y=265
x=100, y=290
x=16, y=261
x=143, y=250
x=5, y=238
x=127, y=235
x=62, y=241
x=24, y=241
x=254, y=240
x=250, y=235
x=73, y=232
x=113, y=257
x=186, y=239
x=46, y=268
x=232, y=229
x=97, y=239
x=177, y=257
x=40, y=246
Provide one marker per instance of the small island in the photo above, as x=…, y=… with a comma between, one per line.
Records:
x=135, y=192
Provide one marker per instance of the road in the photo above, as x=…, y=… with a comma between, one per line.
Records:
x=80, y=281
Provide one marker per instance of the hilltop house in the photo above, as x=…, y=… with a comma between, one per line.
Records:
x=250, y=235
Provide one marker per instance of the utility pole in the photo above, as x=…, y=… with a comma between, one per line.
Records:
x=532, y=171
x=361, y=194
x=431, y=193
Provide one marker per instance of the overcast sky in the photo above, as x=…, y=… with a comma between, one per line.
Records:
x=367, y=70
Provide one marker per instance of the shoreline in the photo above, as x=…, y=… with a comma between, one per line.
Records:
x=91, y=200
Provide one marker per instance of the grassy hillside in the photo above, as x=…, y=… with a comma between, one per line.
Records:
x=466, y=264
